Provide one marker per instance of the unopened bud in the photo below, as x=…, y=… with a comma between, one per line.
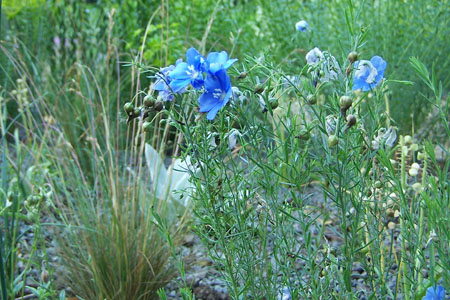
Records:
x=332, y=140
x=352, y=57
x=128, y=107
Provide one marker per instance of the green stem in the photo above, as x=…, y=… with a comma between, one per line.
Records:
x=403, y=251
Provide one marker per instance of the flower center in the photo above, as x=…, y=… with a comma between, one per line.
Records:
x=192, y=72
x=219, y=94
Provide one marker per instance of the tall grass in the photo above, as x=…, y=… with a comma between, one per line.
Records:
x=115, y=237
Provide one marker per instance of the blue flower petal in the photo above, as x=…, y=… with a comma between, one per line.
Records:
x=224, y=80
x=213, y=112
x=159, y=85
x=192, y=56
x=180, y=72
x=301, y=26
x=207, y=102
x=229, y=63
x=435, y=293
x=219, y=61
x=179, y=84
x=360, y=83
x=380, y=65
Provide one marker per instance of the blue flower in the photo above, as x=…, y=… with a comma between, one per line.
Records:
x=435, y=293
x=217, y=93
x=301, y=25
x=368, y=73
x=162, y=83
x=219, y=61
x=189, y=72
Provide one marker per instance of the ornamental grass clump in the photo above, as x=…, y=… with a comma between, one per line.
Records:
x=117, y=226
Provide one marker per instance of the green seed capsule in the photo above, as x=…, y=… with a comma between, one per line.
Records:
x=273, y=103
x=147, y=126
x=259, y=88
x=149, y=100
x=352, y=56
x=332, y=140
x=242, y=75
x=158, y=106
x=351, y=120
x=128, y=107
x=345, y=102
x=311, y=99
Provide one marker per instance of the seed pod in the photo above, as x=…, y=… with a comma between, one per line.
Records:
x=332, y=140
x=136, y=112
x=128, y=107
x=273, y=103
x=413, y=172
x=352, y=57
x=259, y=88
x=149, y=100
x=311, y=99
x=158, y=106
x=147, y=126
x=345, y=102
x=242, y=75
x=351, y=120
x=304, y=135
x=408, y=140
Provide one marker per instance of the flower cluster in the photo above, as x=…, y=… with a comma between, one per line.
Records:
x=208, y=73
